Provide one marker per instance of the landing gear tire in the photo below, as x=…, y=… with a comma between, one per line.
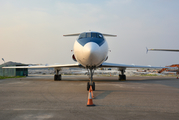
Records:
x=88, y=86
x=57, y=77
x=122, y=77
x=93, y=86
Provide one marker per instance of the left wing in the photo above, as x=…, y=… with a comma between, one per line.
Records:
x=48, y=66
x=124, y=66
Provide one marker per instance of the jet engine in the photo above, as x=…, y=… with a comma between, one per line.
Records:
x=106, y=58
x=73, y=57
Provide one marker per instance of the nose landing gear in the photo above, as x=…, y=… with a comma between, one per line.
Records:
x=90, y=73
x=88, y=86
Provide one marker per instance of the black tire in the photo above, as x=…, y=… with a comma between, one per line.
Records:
x=93, y=87
x=120, y=77
x=124, y=77
x=88, y=86
x=55, y=77
x=59, y=77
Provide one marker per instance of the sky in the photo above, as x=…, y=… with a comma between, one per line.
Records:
x=32, y=31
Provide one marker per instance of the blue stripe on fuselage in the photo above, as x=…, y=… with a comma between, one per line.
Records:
x=98, y=41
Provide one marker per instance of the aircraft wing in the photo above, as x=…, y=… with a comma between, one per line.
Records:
x=48, y=66
x=124, y=66
x=120, y=66
x=172, y=50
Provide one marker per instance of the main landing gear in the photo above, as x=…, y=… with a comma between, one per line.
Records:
x=57, y=76
x=122, y=77
x=90, y=73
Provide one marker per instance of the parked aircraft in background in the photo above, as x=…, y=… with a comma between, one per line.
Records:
x=90, y=52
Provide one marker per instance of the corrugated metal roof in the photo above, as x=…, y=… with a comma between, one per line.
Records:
x=10, y=63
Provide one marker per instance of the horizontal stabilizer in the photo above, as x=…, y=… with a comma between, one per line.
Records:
x=173, y=50
x=76, y=34
x=109, y=35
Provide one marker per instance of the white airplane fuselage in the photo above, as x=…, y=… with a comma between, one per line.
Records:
x=90, y=49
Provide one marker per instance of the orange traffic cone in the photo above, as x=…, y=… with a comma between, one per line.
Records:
x=90, y=101
x=91, y=92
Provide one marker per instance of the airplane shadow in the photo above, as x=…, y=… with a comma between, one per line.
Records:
x=104, y=94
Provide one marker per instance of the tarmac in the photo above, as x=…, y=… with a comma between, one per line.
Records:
x=39, y=97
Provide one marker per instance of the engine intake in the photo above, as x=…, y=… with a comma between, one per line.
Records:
x=74, y=58
x=106, y=58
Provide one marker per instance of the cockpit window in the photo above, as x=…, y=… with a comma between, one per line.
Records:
x=83, y=35
x=99, y=35
x=93, y=35
x=88, y=35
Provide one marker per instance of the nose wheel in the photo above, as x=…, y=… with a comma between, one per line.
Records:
x=93, y=86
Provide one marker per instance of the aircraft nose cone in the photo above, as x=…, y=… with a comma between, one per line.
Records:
x=91, y=53
x=91, y=50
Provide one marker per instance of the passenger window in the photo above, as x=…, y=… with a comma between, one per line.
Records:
x=93, y=35
x=88, y=35
x=83, y=35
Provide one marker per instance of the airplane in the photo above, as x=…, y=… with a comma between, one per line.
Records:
x=90, y=52
x=170, y=50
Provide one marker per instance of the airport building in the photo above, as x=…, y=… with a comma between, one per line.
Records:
x=13, y=71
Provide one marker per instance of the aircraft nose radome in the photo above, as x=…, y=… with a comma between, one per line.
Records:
x=91, y=54
x=91, y=49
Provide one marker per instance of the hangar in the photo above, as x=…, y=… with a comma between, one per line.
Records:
x=13, y=71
